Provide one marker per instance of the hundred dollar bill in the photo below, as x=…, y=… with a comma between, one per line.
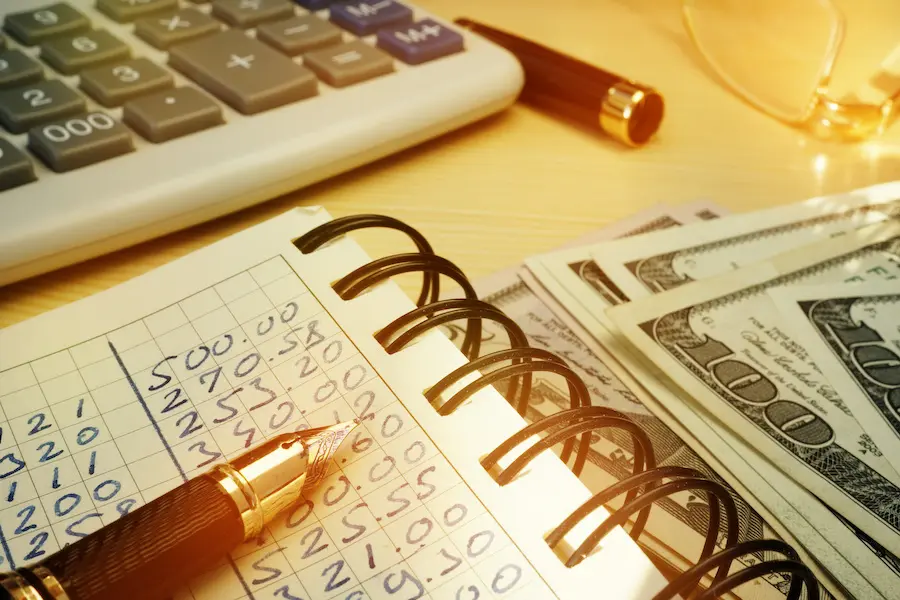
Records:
x=722, y=342
x=676, y=530
x=852, y=332
x=857, y=561
x=641, y=266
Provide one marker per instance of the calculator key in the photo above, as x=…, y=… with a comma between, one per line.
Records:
x=18, y=69
x=163, y=31
x=125, y=11
x=116, y=83
x=300, y=34
x=420, y=42
x=79, y=141
x=243, y=72
x=348, y=63
x=34, y=26
x=172, y=114
x=15, y=167
x=250, y=13
x=364, y=18
x=70, y=55
x=24, y=107
x=315, y=4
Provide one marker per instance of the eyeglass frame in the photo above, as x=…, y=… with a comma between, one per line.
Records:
x=823, y=116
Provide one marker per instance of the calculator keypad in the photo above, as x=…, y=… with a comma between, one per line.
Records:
x=349, y=63
x=163, y=31
x=251, y=55
x=114, y=84
x=25, y=107
x=76, y=142
x=243, y=72
x=15, y=167
x=17, y=69
x=250, y=13
x=34, y=26
x=171, y=114
x=125, y=11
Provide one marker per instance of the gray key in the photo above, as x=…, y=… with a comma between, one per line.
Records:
x=164, y=30
x=250, y=13
x=79, y=141
x=348, y=63
x=299, y=34
x=15, y=167
x=243, y=72
x=69, y=55
x=2, y=43
x=34, y=26
x=17, y=69
x=125, y=11
x=172, y=114
x=24, y=107
x=116, y=83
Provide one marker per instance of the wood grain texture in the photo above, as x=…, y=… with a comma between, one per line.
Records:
x=523, y=182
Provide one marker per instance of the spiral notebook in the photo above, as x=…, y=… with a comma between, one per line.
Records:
x=443, y=492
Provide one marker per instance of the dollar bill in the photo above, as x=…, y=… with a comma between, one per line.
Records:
x=852, y=332
x=677, y=528
x=857, y=561
x=722, y=343
x=641, y=266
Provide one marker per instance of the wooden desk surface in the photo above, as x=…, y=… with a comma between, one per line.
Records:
x=522, y=182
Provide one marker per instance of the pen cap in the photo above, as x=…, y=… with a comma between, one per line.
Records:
x=627, y=111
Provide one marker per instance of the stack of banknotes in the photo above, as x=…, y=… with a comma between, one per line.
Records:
x=762, y=349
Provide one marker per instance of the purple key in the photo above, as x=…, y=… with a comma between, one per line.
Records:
x=365, y=18
x=314, y=4
x=420, y=42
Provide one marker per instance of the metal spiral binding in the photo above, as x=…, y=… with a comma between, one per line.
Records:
x=576, y=425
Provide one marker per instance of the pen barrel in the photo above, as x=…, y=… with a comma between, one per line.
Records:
x=151, y=552
x=624, y=109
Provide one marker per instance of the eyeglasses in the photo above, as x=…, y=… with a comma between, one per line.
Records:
x=780, y=57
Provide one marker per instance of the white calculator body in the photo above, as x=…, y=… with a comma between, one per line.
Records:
x=123, y=120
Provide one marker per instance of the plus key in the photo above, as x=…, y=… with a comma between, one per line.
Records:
x=243, y=72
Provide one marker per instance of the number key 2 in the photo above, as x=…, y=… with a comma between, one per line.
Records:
x=25, y=107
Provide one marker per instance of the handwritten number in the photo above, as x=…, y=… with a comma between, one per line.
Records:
x=370, y=399
x=257, y=385
x=232, y=411
x=450, y=521
x=426, y=523
x=192, y=426
x=404, y=577
x=241, y=370
x=37, y=542
x=274, y=573
x=285, y=592
x=288, y=339
x=49, y=445
x=293, y=520
x=249, y=432
x=394, y=430
x=173, y=401
x=79, y=534
x=227, y=337
x=24, y=526
x=501, y=574
x=330, y=502
x=165, y=378
x=201, y=448
x=361, y=445
x=87, y=435
x=305, y=370
x=455, y=560
x=476, y=593
x=471, y=543
x=389, y=460
x=359, y=529
x=331, y=585
x=290, y=412
x=215, y=373
x=80, y=410
x=199, y=363
x=259, y=326
x=421, y=481
x=19, y=464
x=37, y=423
x=401, y=500
x=359, y=381
x=316, y=534
x=125, y=505
x=313, y=337
x=293, y=309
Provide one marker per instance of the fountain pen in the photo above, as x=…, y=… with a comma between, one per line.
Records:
x=153, y=551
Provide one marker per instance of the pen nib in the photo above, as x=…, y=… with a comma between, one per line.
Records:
x=323, y=443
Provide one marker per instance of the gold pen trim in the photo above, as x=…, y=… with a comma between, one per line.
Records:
x=631, y=113
x=244, y=496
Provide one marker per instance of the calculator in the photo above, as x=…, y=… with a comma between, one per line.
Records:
x=123, y=120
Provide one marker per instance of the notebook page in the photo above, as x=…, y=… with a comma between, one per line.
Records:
x=114, y=400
